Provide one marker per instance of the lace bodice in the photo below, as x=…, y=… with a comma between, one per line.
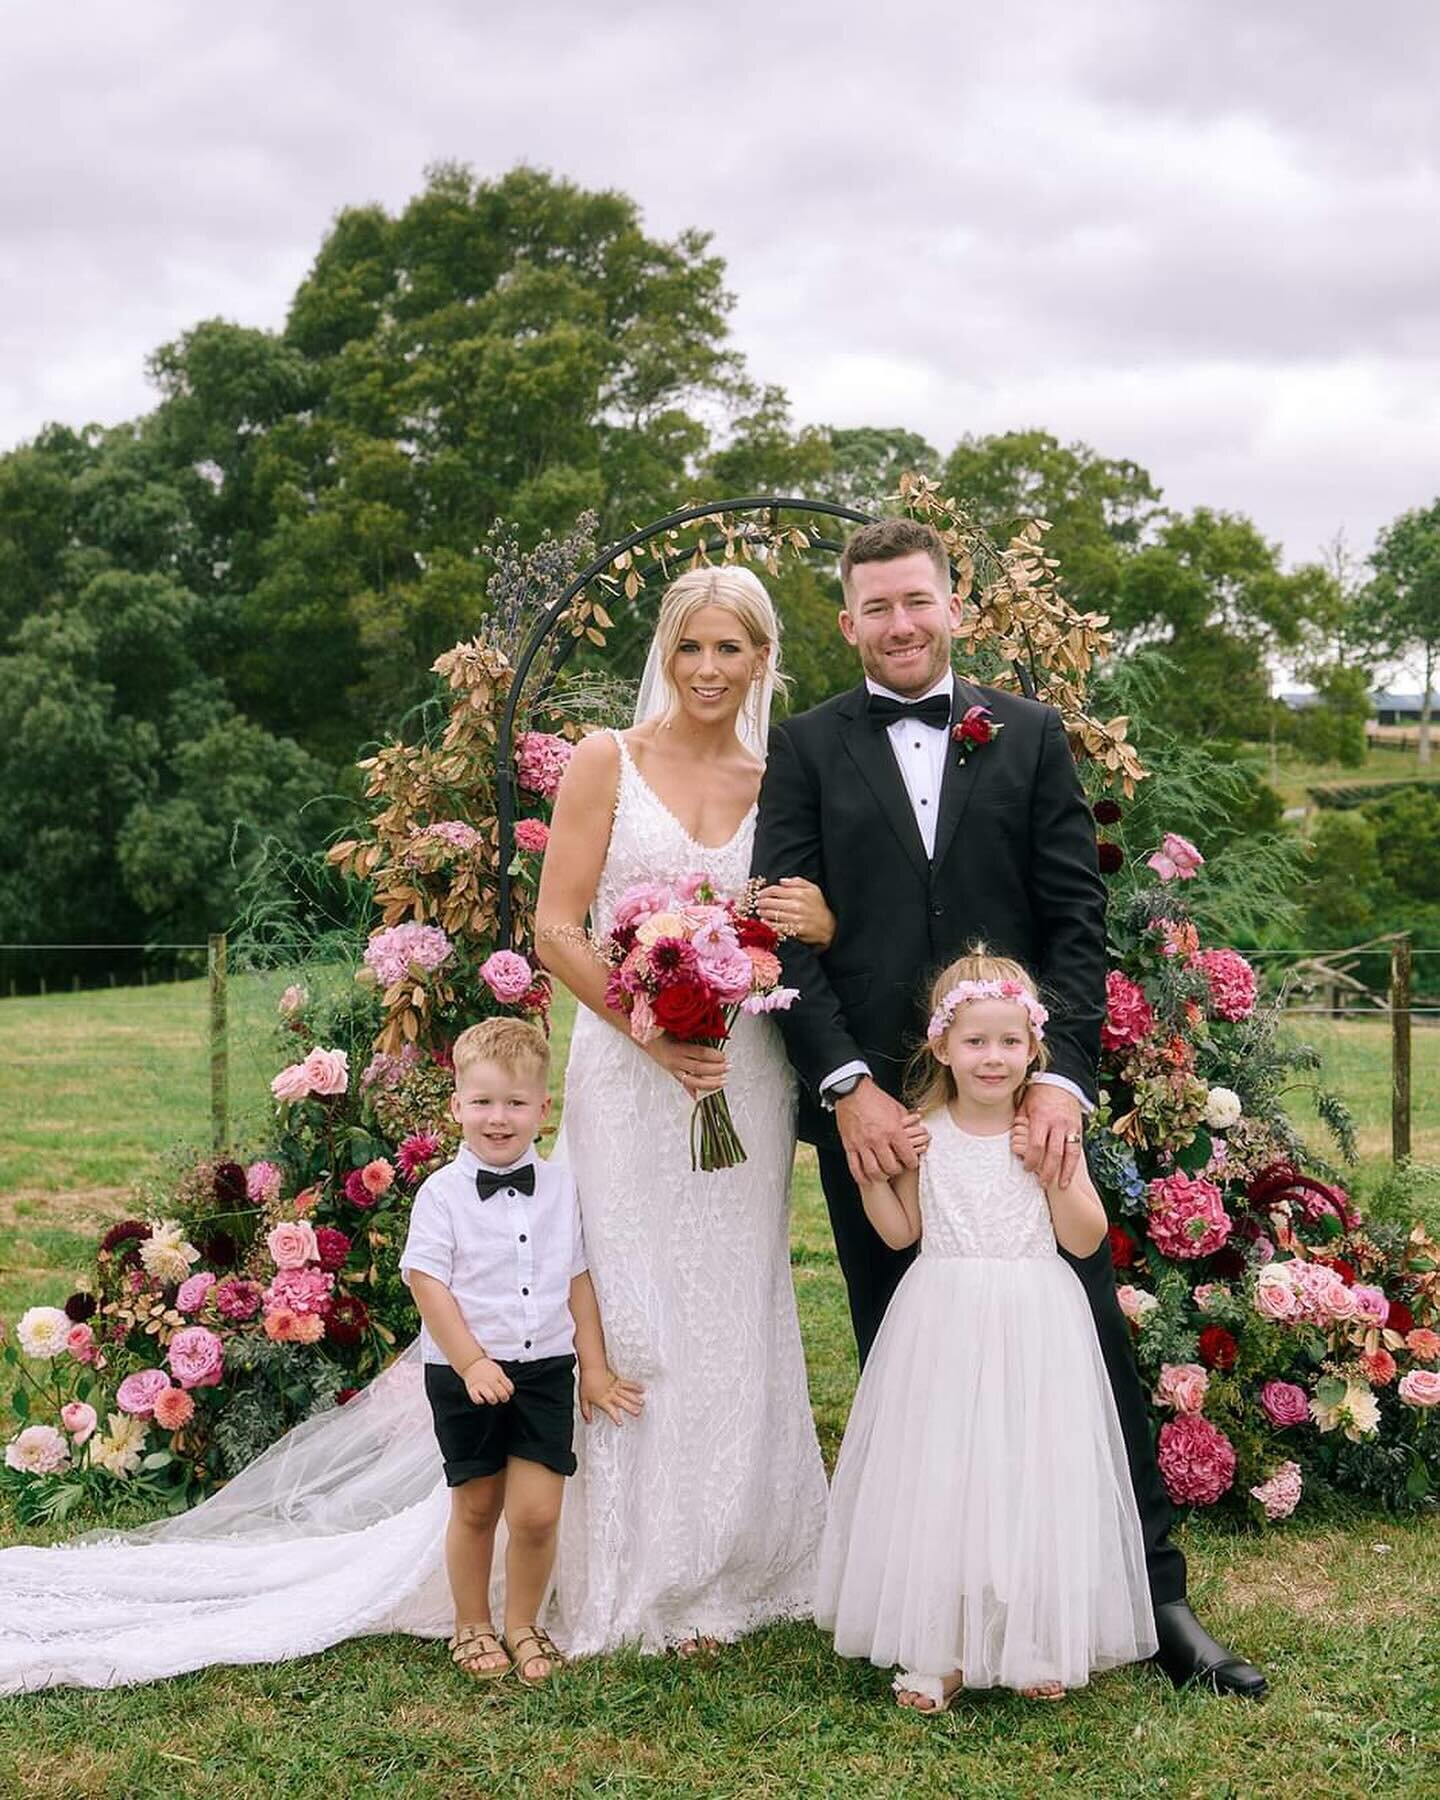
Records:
x=648, y=843
x=976, y=1198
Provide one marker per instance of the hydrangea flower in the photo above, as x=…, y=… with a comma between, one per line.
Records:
x=394, y=953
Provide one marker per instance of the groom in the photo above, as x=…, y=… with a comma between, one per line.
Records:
x=921, y=853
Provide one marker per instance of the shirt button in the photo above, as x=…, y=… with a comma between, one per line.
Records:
x=524, y=1290
x=527, y=1343
x=924, y=801
x=938, y=911
x=522, y=1237
x=509, y=1193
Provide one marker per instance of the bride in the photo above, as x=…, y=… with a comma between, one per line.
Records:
x=694, y=1524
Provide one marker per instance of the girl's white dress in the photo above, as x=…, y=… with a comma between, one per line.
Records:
x=981, y=1516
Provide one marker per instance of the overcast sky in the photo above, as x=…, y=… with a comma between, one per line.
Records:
x=1203, y=235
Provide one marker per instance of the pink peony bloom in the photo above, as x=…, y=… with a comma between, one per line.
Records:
x=300, y=1290
x=1197, y=1461
x=1421, y=1387
x=1182, y=1386
x=728, y=973
x=641, y=902
x=196, y=1357
x=331, y=1248
x=1322, y=1294
x=532, y=834
x=356, y=1191
x=262, y=1183
x=238, y=1299
x=540, y=760
x=1128, y=1015
x=174, y=1409
x=1232, y=983
x=292, y=1244
x=80, y=1342
x=415, y=1151
x=506, y=975
x=1187, y=1217
x=1177, y=859
x=1284, y=1404
x=1422, y=1344
x=191, y=1296
x=378, y=1176
x=292, y=1083
x=1280, y=1495
x=327, y=1071
x=396, y=953
x=79, y=1420
x=136, y=1393
x=37, y=1450
x=1371, y=1306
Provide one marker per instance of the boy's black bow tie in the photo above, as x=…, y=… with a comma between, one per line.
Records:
x=490, y=1181
x=882, y=710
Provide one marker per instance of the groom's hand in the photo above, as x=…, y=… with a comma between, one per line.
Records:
x=1056, y=1132
x=875, y=1132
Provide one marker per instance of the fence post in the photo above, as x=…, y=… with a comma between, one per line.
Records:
x=1400, y=974
x=219, y=1058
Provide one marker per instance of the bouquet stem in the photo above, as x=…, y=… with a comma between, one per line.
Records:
x=714, y=1141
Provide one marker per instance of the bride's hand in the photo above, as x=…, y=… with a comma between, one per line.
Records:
x=699, y=1068
x=799, y=909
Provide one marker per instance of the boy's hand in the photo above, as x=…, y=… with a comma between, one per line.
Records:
x=915, y=1130
x=486, y=1382
x=1020, y=1137
x=614, y=1397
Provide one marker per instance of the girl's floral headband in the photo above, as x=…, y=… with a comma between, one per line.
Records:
x=966, y=991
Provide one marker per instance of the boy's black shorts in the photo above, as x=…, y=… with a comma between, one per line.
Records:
x=537, y=1422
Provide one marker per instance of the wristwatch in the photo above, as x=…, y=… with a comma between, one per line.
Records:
x=837, y=1090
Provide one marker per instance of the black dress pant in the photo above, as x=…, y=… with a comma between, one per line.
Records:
x=872, y=1272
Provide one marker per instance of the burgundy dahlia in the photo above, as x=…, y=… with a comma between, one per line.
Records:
x=1107, y=812
x=80, y=1307
x=332, y=1247
x=1112, y=857
x=230, y=1187
x=220, y=1250
x=346, y=1320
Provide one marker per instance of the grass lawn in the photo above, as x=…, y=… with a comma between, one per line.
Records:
x=1292, y=776
x=1340, y=1609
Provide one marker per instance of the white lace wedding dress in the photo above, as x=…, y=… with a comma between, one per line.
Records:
x=704, y=1516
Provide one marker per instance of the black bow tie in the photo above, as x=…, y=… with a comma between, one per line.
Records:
x=490, y=1181
x=882, y=711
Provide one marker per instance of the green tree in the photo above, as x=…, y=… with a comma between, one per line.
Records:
x=1401, y=608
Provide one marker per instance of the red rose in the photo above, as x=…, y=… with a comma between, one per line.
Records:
x=1112, y=857
x=688, y=1012
x=1400, y=1317
x=345, y=1394
x=977, y=727
x=1218, y=1348
x=1122, y=1248
x=755, y=934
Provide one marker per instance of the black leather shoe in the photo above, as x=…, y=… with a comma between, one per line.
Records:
x=1191, y=1657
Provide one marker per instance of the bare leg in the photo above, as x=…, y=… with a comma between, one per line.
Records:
x=475, y=1509
x=923, y=1699
x=533, y=1495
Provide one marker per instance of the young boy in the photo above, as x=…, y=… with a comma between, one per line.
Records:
x=495, y=1261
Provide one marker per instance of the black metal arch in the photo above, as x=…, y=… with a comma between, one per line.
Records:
x=507, y=786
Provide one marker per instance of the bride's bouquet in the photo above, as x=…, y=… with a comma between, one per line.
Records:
x=686, y=960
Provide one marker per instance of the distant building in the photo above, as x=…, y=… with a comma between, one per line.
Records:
x=1401, y=709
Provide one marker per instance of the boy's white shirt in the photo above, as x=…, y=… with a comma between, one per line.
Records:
x=508, y=1261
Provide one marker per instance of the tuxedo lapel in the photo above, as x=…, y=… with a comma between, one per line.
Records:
x=961, y=775
x=870, y=751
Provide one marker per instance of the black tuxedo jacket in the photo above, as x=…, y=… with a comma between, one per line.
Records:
x=1014, y=867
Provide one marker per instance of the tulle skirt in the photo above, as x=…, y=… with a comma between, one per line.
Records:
x=981, y=1516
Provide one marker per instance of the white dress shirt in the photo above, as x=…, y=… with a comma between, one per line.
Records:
x=919, y=750
x=508, y=1260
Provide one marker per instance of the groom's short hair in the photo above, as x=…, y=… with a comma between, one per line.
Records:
x=883, y=540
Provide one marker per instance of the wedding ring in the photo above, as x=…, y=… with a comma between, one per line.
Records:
x=1072, y=1137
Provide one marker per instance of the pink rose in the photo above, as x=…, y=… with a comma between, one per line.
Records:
x=1421, y=1387
x=1280, y=1495
x=192, y=1291
x=291, y=1084
x=1182, y=1386
x=1275, y=1296
x=506, y=975
x=79, y=1420
x=292, y=1001
x=136, y=1393
x=1128, y=1014
x=327, y=1071
x=174, y=1409
x=378, y=1176
x=292, y=1244
x=196, y=1357
x=80, y=1342
x=1197, y=1461
x=1187, y=1217
x=1371, y=1306
x=1177, y=859
x=1232, y=983
x=532, y=835
x=262, y=1183
x=1135, y=1303
x=1284, y=1404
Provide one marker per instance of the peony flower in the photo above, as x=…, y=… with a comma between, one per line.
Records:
x=292, y=1083
x=165, y=1255
x=1380, y=1367
x=506, y=975
x=331, y=1248
x=540, y=761
x=80, y=1342
x=1356, y=1412
x=193, y=1291
x=1421, y=1387
x=1422, y=1344
x=196, y=1357
x=1232, y=983
x=1280, y=1495
x=328, y=1071
x=415, y=1151
x=1218, y=1349
x=262, y=1183
x=1128, y=1014
x=238, y=1299
x=293, y=1001
x=1136, y=1304
x=640, y=902
x=1177, y=859
x=300, y=1290
x=136, y=1393
x=38, y=1450
x=1371, y=1306
x=43, y=1332
x=1197, y=1460
x=1284, y=1404
x=1182, y=1386
x=729, y=973
x=120, y=1449
x=79, y=1420
x=1187, y=1217
x=398, y=952
x=1222, y=1108
x=378, y=1176
x=174, y=1409
x=292, y=1244
x=532, y=834
x=1401, y=1318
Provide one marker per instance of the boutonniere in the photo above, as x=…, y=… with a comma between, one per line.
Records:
x=978, y=727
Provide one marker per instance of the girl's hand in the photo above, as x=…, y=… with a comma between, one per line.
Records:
x=915, y=1130
x=1020, y=1137
x=798, y=908
x=604, y=1389
x=486, y=1382
x=699, y=1068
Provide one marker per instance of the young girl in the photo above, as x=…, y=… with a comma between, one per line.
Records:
x=982, y=1530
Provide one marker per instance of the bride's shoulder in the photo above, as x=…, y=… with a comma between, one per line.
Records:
x=594, y=766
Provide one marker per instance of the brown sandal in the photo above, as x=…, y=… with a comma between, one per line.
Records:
x=470, y=1643
x=544, y=1648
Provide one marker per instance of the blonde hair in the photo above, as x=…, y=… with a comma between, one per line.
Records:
x=517, y=1046
x=738, y=591
x=928, y=1081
